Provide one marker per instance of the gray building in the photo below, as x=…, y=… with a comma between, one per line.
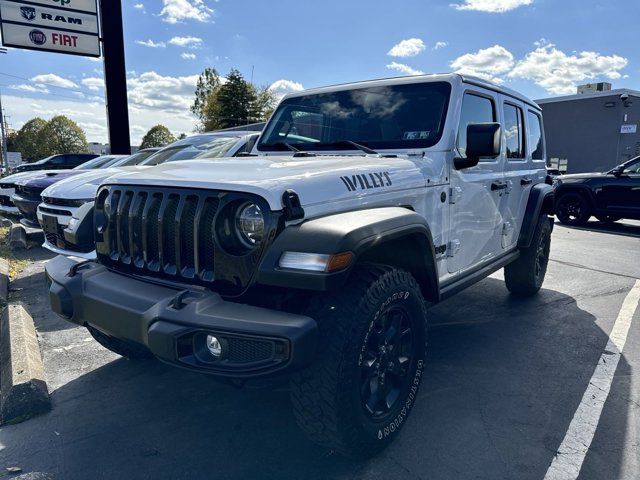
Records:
x=594, y=130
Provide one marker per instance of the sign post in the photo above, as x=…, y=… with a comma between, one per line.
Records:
x=73, y=27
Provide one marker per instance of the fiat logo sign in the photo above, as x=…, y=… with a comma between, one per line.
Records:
x=38, y=37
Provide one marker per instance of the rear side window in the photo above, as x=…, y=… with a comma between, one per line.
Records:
x=514, y=131
x=535, y=136
x=475, y=109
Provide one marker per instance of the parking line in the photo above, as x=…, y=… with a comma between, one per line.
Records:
x=571, y=454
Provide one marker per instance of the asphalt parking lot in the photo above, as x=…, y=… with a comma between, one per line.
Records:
x=503, y=381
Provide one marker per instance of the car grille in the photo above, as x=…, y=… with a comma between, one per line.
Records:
x=29, y=192
x=170, y=233
x=62, y=202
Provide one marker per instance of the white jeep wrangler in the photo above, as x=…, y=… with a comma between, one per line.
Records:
x=317, y=257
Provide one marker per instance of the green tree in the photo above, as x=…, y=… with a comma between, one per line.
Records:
x=207, y=84
x=63, y=135
x=266, y=103
x=28, y=142
x=157, y=136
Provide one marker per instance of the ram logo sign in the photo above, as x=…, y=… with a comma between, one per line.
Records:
x=29, y=13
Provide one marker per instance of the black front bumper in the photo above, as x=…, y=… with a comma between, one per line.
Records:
x=28, y=207
x=174, y=323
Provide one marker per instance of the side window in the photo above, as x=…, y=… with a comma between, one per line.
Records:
x=60, y=160
x=632, y=168
x=475, y=109
x=514, y=131
x=535, y=136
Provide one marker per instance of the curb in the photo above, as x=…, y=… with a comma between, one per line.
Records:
x=23, y=388
x=17, y=237
x=4, y=280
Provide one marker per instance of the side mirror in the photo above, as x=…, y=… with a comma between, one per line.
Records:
x=618, y=170
x=483, y=141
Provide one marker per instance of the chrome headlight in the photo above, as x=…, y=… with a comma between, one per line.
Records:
x=250, y=224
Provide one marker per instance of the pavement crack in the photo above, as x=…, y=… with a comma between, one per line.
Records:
x=584, y=267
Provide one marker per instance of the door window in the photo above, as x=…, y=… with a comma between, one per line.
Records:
x=475, y=109
x=632, y=168
x=535, y=136
x=514, y=131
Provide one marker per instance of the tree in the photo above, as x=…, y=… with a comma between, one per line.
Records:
x=208, y=82
x=63, y=135
x=28, y=142
x=157, y=136
x=266, y=102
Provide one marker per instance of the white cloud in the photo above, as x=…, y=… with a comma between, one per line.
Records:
x=150, y=43
x=404, y=69
x=440, y=45
x=491, y=6
x=191, y=42
x=170, y=94
x=93, y=83
x=560, y=73
x=188, y=56
x=139, y=6
x=175, y=11
x=488, y=63
x=407, y=48
x=282, y=87
x=54, y=80
x=38, y=88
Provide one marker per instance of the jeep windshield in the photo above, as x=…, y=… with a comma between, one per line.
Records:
x=391, y=117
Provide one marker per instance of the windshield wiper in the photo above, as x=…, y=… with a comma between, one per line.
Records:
x=283, y=144
x=349, y=143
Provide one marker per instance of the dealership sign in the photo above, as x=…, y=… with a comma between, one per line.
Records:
x=64, y=26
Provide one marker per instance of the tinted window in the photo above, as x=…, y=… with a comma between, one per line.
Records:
x=475, y=109
x=514, y=131
x=632, y=167
x=60, y=160
x=535, y=136
x=134, y=159
x=389, y=117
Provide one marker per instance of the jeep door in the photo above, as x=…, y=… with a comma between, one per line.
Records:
x=474, y=197
x=523, y=149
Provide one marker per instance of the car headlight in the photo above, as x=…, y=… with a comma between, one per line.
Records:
x=250, y=224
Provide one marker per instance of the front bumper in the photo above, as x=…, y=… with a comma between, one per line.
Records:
x=173, y=322
x=27, y=206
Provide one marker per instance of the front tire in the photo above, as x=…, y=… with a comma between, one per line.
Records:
x=573, y=209
x=122, y=347
x=358, y=393
x=607, y=218
x=524, y=276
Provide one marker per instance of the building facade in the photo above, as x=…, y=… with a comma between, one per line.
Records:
x=593, y=131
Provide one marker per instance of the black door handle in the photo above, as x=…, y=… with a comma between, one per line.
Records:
x=498, y=186
x=525, y=181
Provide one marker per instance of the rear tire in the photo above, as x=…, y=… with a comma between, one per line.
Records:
x=524, y=277
x=124, y=348
x=356, y=396
x=573, y=209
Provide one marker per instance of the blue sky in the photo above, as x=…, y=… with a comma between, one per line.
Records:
x=539, y=47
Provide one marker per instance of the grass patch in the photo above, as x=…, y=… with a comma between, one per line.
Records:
x=15, y=265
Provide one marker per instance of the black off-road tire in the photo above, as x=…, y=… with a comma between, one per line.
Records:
x=573, y=209
x=332, y=397
x=124, y=348
x=524, y=276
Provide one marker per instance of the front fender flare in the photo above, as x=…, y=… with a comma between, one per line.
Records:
x=359, y=232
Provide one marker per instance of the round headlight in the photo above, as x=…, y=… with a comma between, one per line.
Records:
x=250, y=224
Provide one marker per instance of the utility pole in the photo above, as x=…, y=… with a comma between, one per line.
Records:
x=3, y=134
x=115, y=76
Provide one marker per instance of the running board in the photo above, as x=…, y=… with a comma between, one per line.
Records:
x=475, y=276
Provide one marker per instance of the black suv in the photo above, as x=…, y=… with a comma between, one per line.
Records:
x=57, y=162
x=608, y=196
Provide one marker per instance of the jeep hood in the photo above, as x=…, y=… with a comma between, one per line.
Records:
x=85, y=185
x=321, y=179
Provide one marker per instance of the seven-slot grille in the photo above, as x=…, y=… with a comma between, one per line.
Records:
x=170, y=232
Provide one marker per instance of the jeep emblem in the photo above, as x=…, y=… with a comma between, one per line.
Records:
x=28, y=13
